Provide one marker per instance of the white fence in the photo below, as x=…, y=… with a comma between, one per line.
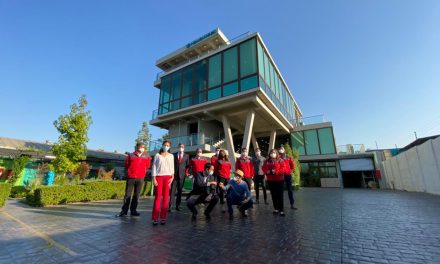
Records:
x=415, y=170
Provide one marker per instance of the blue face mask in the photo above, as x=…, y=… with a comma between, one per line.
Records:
x=165, y=148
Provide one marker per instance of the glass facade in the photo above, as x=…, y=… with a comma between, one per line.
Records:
x=312, y=172
x=314, y=141
x=272, y=84
x=226, y=73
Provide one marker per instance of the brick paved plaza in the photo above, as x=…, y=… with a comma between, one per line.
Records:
x=331, y=226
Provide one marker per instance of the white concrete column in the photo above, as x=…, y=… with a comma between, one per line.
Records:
x=201, y=132
x=273, y=135
x=248, y=129
x=229, y=141
x=254, y=141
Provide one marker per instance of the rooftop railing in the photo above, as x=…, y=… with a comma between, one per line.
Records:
x=351, y=149
x=309, y=120
x=189, y=141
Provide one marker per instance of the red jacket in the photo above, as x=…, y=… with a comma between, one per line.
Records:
x=137, y=166
x=274, y=170
x=197, y=165
x=289, y=165
x=214, y=162
x=224, y=169
x=246, y=165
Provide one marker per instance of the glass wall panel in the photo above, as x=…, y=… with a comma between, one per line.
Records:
x=186, y=102
x=231, y=88
x=248, y=58
x=200, y=81
x=175, y=105
x=215, y=70
x=230, y=65
x=266, y=69
x=175, y=82
x=260, y=61
x=311, y=142
x=187, y=81
x=214, y=93
x=326, y=141
x=165, y=90
x=199, y=98
x=298, y=142
x=249, y=83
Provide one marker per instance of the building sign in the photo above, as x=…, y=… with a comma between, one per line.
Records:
x=207, y=35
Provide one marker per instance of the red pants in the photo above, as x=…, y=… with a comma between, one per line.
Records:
x=162, y=191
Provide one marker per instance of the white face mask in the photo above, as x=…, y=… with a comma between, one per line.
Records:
x=141, y=150
x=181, y=149
x=258, y=153
x=217, y=152
x=166, y=148
x=199, y=154
x=244, y=154
x=273, y=155
x=281, y=151
x=211, y=173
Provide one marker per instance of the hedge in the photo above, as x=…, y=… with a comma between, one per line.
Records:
x=5, y=189
x=88, y=191
x=18, y=192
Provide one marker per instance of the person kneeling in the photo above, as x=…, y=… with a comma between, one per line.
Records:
x=204, y=191
x=238, y=194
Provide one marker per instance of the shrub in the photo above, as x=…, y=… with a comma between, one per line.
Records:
x=18, y=192
x=82, y=171
x=5, y=189
x=87, y=191
x=18, y=167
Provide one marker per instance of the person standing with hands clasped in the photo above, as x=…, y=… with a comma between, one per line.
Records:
x=163, y=174
x=181, y=169
x=137, y=164
x=289, y=167
x=224, y=174
x=259, y=180
x=245, y=164
x=274, y=170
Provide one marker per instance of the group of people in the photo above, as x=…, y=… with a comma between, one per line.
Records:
x=212, y=181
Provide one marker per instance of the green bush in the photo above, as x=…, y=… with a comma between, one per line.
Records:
x=19, y=192
x=5, y=189
x=87, y=191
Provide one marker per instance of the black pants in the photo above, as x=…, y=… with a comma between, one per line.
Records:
x=259, y=181
x=277, y=191
x=220, y=191
x=242, y=206
x=248, y=182
x=177, y=185
x=288, y=181
x=133, y=187
x=195, y=200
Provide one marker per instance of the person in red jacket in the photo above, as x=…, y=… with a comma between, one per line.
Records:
x=197, y=163
x=245, y=164
x=224, y=174
x=137, y=164
x=289, y=166
x=214, y=159
x=274, y=170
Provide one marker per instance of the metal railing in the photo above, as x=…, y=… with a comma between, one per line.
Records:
x=229, y=42
x=309, y=120
x=189, y=141
x=351, y=149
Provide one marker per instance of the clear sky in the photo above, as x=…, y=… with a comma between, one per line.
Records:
x=371, y=67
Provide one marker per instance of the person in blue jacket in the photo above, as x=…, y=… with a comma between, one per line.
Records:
x=238, y=194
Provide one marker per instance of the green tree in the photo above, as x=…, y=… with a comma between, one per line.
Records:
x=17, y=168
x=144, y=135
x=294, y=154
x=71, y=147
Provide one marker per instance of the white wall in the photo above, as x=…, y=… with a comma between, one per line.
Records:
x=415, y=170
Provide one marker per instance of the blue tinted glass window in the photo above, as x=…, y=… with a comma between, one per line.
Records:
x=249, y=83
x=231, y=88
x=187, y=81
x=311, y=142
x=186, y=102
x=214, y=93
x=176, y=83
x=200, y=81
x=248, y=58
x=215, y=71
x=326, y=141
x=230, y=65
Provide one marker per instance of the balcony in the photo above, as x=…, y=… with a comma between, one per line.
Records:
x=351, y=149
x=191, y=142
x=309, y=120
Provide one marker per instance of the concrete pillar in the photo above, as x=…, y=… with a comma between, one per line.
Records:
x=229, y=141
x=201, y=133
x=254, y=141
x=248, y=129
x=273, y=135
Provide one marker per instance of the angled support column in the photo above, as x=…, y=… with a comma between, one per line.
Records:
x=229, y=141
x=254, y=142
x=248, y=129
x=273, y=135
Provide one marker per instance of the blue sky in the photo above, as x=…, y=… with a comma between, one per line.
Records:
x=371, y=67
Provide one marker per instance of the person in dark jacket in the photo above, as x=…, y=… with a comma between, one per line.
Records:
x=137, y=164
x=181, y=169
x=237, y=194
x=259, y=180
x=205, y=185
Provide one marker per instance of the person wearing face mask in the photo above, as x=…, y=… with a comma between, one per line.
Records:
x=163, y=174
x=258, y=162
x=214, y=159
x=204, y=191
x=274, y=170
x=198, y=162
x=237, y=194
x=224, y=174
x=137, y=164
x=289, y=166
x=245, y=164
x=181, y=169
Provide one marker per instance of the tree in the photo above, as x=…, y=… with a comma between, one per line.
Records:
x=166, y=137
x=294, y=154
x=17, y=168
x=71, y=147
x=144, y=135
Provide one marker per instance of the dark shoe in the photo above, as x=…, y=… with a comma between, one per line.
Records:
x=177, y=208
x=194, y=217
x=155, y=222
x=244, y=213
x=169, y=210
x=275, y=211
x=282, y=213
x=163, y=222
x=231, y=216
x=207, y=215
x=135, y=214
x=265, y=202
x=122, y=214
x=293, y=207
x=257, y=202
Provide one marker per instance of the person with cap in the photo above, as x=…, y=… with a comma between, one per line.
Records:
x=245, y=164
x=274, y=170
x=205, y=191
x=237, y=194
x=137, y=164
x=258, y=162
x=181, y=169
x=224, y=174
x=289, y=167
